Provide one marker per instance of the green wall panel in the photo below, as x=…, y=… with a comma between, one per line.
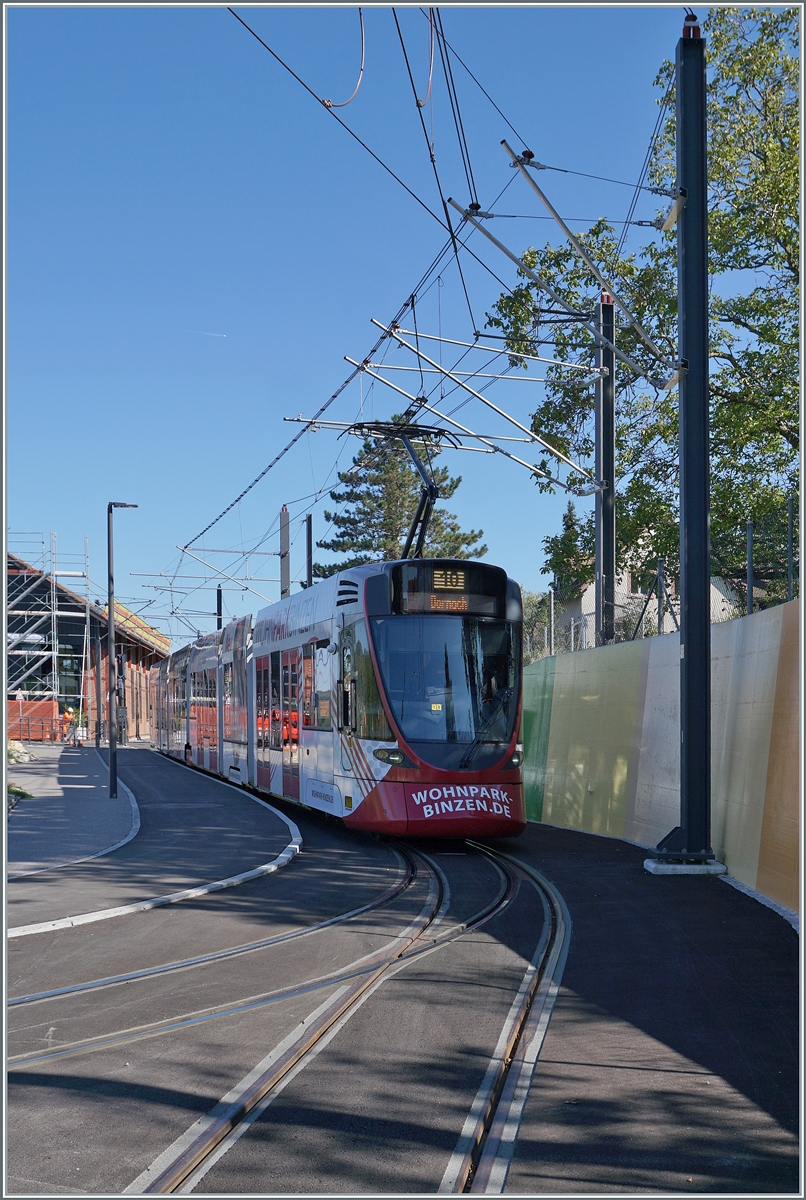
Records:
x=538, y=691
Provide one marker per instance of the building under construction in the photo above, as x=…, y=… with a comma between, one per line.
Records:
x=58, y=653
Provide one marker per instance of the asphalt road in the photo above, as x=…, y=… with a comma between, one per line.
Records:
x=69, y=815
x=193, y=830
x=670, y=1064
x=672, y=1061
x=403, y=1070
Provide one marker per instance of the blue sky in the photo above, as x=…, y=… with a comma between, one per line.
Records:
x=194, y=245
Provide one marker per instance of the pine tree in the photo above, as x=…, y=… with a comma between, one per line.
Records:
x=380, y=494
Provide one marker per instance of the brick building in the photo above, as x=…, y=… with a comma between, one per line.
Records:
x=57, y=659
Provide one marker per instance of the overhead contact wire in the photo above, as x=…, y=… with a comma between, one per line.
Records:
x=447, y=225
x=478, y=85
x=453, y=97
x=436, y=173
x=435, y=262
x=640, y=184
x=336, y=117
x=422, y=103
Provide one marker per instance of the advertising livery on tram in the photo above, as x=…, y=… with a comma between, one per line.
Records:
x=388, y=695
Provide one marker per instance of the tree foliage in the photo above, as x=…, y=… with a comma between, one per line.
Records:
x=378, y=499
x=753, y=161
x=535, y=624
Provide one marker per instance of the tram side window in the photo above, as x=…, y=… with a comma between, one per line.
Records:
x=321, y=694
x=227, y=700
x=235, y=713
x=258, y=713
x=307, y=707
x=370, y=718
x=210, y=675
x=276, y=714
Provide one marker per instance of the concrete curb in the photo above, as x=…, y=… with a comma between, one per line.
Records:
x=787, y=913
x=655, y=867
x=205, y=889
x=105, y=914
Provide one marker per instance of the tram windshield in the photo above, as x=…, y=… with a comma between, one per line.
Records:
x=453, y=684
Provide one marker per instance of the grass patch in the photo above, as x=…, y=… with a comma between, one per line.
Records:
x=14, y=795
x=18, y=792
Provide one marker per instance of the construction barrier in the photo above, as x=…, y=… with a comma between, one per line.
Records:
x=602, y=744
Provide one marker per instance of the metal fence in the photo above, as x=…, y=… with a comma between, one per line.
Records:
x=558, y=622
x=760, y=561
x=771, y=558
x=43, y=729
x=53, y=729
x=35, y=729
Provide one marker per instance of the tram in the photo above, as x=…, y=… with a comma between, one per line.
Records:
x=388, y=695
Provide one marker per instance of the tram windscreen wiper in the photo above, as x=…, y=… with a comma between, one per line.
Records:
x=500, y=698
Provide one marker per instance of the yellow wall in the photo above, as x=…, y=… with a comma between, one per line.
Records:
x=605, y=753
x=778, y=863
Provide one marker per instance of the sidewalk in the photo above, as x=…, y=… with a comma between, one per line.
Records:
x=193, y=830
x=672, y=1060
x=70, y=817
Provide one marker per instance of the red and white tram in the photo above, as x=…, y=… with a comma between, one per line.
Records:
x=388, y=695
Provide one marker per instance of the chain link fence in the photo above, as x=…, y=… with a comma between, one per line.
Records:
x=760, y=560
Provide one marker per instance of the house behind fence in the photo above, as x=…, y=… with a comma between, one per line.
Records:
x=760, y=560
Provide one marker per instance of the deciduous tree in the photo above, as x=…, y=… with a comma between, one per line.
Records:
x=753, y=160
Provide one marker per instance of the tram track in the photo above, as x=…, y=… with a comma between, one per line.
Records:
x=173, y=1176
x=481, y=1159
x=344, y=975
x=347, y=974
x=219, y=955
x=188, y=1165
x=191, y=1158
x=476, y=1165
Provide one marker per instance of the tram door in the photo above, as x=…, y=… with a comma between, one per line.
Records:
x=290, y=683
x=346, y=689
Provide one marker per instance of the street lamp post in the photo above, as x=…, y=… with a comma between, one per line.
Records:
x=111, y=660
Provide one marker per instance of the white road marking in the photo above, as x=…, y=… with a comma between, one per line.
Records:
x=496, y=1159
x=182, y=1143
x=233, y=1096
x=205, y=889
x=495, y=1163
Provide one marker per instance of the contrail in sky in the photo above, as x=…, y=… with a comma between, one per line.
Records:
x=203, y=333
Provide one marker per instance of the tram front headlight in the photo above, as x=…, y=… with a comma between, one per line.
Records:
x=516, y=759
x=395, y=757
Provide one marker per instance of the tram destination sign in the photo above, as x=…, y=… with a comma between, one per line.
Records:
x=439, y=587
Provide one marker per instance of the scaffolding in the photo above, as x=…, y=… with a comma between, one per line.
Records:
x=40, y=613
x=56, y=644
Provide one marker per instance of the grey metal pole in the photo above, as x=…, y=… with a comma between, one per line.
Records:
x=309, y=550
x=605, y=470
x=691, y=840
x=660, y=595
x=285, y=555
x=749, y=567
x=551, y=620
x=111, y=703
x=219, y=608
x=790, y=574
x=111, y=660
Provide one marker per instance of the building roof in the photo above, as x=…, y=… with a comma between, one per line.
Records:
x=129, y=622
x=126, y=622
